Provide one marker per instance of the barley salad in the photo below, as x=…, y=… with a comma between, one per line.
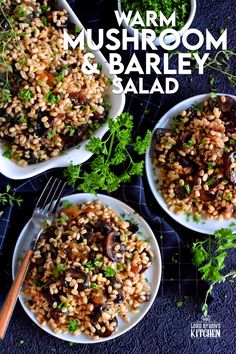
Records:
x=47, y=103
x=89, y=270
x=194, y=160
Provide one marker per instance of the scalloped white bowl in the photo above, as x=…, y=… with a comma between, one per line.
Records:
x=203, y=226
x=11, y=170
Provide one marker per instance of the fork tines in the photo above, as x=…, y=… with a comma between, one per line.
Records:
x=51, y=195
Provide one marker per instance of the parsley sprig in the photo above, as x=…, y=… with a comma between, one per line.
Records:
x=210, y=255
x=110, y=154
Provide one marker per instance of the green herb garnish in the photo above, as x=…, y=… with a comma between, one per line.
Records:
x=94, y=286
x=110, y=153
x=98, y=261
x=25, y=95
x=45, y=21
x=7, y=153
x=109, y=272
x=64, y=218
x=228, y=196
x=66, y=203
x=187, y=188
x=44, y=9
x=211, y=181
x=73, y=325
x=89, y=265
x=78, y=29
x=61, y=75
x=210, y=254
x=188, y=144
x=20, y=11
x=209, y=165
x=51, y=134
x=6, y=96
x=50, y=97
x=59, y=268
x=167, y=7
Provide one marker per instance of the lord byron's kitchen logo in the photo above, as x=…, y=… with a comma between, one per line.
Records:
x=205, y=328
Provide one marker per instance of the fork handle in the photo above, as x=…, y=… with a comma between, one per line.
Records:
x=9, y=304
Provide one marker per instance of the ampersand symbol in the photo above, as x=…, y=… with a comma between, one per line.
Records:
x=87, y=67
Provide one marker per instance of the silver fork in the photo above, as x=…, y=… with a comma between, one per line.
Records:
x=44, y=210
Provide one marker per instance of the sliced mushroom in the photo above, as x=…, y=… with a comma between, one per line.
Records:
x=228, y=160
x=97, y=318
x=189, y=164
x=118, y=286
x=158, y=134
x=79, y=275
x=145, y=266
x=79, y=97
x=55, y=314
x=208, y=196
x=113, y=240
x=77, y=137
x=180, y=192
x=102, y=227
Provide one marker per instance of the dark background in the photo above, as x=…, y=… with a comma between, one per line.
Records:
x=166, y=328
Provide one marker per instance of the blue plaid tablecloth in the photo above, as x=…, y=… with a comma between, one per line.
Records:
x=166, y=328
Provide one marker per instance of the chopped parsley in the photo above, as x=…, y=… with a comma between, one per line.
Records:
x=187, y=188
x=89, y=265
x=177, y=121
x=52, y=133
x=209, y=165
x=99, y=67
x=109, y=272
x=25, y=95
x=6, y=96
x=22, y=119
x=50, y=97
x=73, y=325
x=20, y=11
x=106, y=105
x=58, y=269
x=7, y=152
x=211, y=181
x=228, y=196
x=63, y=218
x=71, y=130
x=196, y=218
x=98, y=261
x=44, y=9
x=78, y=29
x=44, y=21
x=66, y=203
x=61, y=75
x=94, y=286
x=188, y=144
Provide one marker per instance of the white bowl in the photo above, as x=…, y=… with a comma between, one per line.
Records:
x=77, y=156
x=170, y=38
x=153, y=273
x=203, y=226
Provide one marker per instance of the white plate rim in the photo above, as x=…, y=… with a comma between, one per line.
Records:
x=80, y=198
x=163, y=122
x=11, y=170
